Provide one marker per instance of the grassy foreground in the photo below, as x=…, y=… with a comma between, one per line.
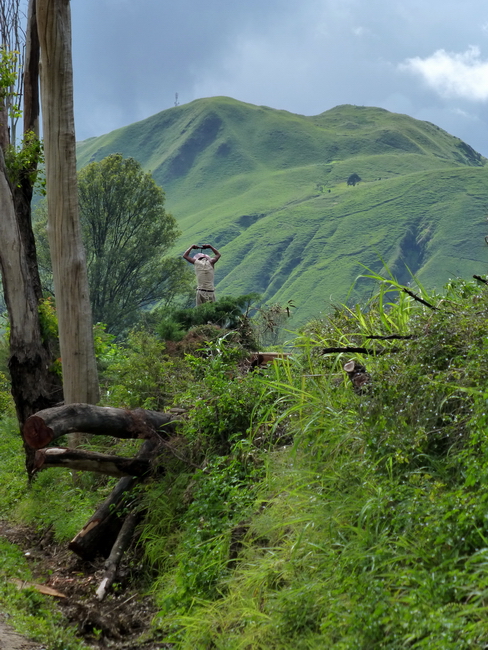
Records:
x=297, y=513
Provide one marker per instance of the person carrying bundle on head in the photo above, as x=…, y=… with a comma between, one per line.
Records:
x=204, y=270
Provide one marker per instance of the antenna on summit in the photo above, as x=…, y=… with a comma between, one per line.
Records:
x=177, y=103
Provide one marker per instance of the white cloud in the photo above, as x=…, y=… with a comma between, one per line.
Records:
x=462, y=75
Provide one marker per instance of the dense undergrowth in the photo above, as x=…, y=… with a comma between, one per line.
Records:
x=295, y=512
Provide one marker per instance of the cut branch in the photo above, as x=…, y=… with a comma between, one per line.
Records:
x=45, y=426
x=121, y=544
x=358, y=350
x=391, y=337
x=480, y=279
x=90, y=461
x=99, y=533
x=419, y=299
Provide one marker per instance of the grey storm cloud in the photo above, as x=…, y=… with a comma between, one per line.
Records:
x=428, y=60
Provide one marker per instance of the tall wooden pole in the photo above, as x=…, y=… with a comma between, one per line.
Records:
x=80, y=380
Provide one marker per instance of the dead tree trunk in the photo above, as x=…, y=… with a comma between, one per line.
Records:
x=79, y=460
x=45, y=426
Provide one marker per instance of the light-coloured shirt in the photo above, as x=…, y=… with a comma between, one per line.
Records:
x=205, y=275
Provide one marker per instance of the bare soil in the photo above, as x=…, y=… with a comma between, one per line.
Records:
x=10, y=640
x=121, y=621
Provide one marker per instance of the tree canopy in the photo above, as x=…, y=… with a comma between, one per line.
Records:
x=127, y=234
x=353, y=179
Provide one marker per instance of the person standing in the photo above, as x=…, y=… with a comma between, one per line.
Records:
x=204, y=270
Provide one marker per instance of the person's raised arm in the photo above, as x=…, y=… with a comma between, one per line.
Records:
x=216, y=253
x=186, y=254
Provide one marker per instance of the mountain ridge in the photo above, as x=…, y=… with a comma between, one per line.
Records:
x=269, y=189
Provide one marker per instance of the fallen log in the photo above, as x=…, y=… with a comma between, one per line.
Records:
x=45, y=426
x=90, y=461
x=121, y=544
x=98, y=535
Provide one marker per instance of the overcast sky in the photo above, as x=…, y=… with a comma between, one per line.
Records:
x=425, y=58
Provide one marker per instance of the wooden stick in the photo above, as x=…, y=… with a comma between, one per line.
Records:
x=478, y=277
x=359, y=350
x=419, y=299
x=98, y=534
x=121, y=544
x=90, y=461
x=391, y=337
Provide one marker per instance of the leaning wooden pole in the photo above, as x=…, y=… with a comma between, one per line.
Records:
x=100, y=532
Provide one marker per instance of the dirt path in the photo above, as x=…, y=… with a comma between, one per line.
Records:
x=10, y=640
x=118, y=621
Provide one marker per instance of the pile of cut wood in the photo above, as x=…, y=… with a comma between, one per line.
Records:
x=109, y=531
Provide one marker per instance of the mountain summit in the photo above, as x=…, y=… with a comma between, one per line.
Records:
x=278, y=194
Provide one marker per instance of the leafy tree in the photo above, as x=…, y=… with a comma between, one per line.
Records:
x=354, y=179
x=126, y=232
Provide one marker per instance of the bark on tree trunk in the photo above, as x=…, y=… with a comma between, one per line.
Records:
x=80, y=380
x=33, y=387
x=48, y=425
x=31, y=72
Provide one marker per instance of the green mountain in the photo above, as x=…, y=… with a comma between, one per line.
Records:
x=269, y=189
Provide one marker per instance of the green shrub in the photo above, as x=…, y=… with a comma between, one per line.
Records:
x=141, y=375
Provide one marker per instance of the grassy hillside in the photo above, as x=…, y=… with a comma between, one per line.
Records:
x=269, y=189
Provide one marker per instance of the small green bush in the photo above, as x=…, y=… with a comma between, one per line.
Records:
x=141, y=375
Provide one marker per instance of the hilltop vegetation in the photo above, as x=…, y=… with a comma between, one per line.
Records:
x=269, y=189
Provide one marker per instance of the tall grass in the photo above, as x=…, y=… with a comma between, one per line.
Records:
x=367, y=529
x=298, y=514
